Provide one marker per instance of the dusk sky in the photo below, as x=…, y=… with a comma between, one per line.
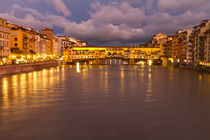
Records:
x=106, y=22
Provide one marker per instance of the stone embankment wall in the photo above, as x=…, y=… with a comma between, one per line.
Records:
x=12, y=69
x=197, y=68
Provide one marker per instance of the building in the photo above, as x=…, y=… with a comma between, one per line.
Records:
x=186, y=48
x=68, y=54
x=176, y=46
x=168, y=47
x=55, y=50
x=38, y=46
x=63, y=43
x=201, y=44
x=44, y=42
x=22, y=44
x=49, y=34
x=60, y=49
x=158, y=41
x=4, y=41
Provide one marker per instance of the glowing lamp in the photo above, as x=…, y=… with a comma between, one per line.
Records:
x=150, y=62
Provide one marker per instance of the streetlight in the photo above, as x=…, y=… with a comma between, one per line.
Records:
x=150, y=62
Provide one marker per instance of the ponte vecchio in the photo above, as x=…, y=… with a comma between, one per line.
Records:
x=104, y=54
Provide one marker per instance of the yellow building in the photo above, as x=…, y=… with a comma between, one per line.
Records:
x=68, y=54
x=4, y=41
x=22, y=44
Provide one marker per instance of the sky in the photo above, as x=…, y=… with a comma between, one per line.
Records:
x=107, y=22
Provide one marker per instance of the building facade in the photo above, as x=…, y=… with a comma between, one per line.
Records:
x=56, y=47
x=49, y=34
x=158, y=41
x=186, y=48
x=4, y=41
x=201, y=43
x=22, y=44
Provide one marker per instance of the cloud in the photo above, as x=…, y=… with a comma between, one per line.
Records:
x=30, y=18
x=121, y=23
x=29, y=10
x=59, y=6
x=117, y=13
x=30, y=1
x=102, y=26
x=28, y=21
x=175, y=6
x=89, y=30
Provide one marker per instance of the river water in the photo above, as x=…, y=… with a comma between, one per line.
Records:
x=105, y=103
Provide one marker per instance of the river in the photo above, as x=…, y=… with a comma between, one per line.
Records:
x=105, y=103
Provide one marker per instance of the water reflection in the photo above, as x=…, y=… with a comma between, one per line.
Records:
x=78, y=68
x=106, y=82
x=149, y=86
x=122, y=80
x=200, y=77
x=5, y=97
x=102, y=102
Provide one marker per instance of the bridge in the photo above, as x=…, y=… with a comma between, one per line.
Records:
x=111, y=55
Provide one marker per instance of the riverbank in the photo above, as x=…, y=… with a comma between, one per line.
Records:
x=13, y=69
x=197, y=68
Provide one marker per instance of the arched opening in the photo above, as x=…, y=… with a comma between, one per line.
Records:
x=109, y=54
x=114, y=54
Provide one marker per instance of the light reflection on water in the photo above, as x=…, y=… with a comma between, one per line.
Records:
x=105, y=102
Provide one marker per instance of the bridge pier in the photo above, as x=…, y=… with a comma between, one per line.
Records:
x=165, y=61
x=131, y=61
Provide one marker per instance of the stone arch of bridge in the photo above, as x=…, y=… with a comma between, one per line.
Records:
x=114, y=54
x=109, y=54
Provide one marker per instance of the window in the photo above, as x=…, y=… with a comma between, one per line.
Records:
x=16, y=44
x=16, y=39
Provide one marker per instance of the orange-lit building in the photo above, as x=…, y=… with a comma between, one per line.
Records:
x=22, y=44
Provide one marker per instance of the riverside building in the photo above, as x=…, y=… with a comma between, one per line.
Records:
x=4, y=41
x=186, y=48
x=201, y=43
x=22, y=44
x=49, y=34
